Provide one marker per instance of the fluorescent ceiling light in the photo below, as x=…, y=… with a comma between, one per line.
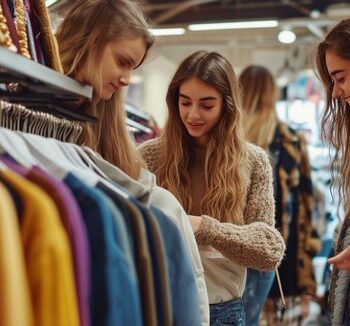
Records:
x=167, y=31
x=233, y=25
x=286, y=37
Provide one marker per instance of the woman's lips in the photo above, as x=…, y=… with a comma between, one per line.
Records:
x=195, y=125
x=114, y=87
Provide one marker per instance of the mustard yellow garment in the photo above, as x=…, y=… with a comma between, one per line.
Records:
x=47, y=256
x=15, y=304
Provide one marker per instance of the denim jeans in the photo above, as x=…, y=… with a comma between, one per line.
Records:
x=346, y=318
x=227, y=313
x=257, y=288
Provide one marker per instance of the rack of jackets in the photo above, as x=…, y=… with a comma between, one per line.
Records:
x=87, y=248
x=294, y=203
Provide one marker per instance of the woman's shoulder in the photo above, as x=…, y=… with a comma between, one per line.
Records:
x=150, y=151
x=149, y=146
x=256, y=155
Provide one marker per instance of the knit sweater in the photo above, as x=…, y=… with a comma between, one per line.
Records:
x=256, y=244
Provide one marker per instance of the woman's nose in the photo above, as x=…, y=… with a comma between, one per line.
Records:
x=194, y=112
x=336, y=92
x=124, y=80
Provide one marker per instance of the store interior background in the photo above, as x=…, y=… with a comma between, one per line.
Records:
x=301, y=102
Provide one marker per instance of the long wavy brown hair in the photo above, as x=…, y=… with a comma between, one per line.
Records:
x=226, y=155
x=336, y=117
x=83, y=34
x=259, y=96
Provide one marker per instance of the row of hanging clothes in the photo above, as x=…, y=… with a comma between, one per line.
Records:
x=141, y=125
x=85, y=250
x=80, y=242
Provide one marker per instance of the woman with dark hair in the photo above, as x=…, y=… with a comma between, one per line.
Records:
x=333, y=69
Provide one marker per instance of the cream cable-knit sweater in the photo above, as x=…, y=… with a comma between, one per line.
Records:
x=257, y=244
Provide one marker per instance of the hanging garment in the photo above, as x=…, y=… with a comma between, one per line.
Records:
x=48, y=39
x=184, y=294
x=147, y=192
x=47, y=255
x=124, y=240
x=114, y=299
x=10, y=23
x=72, y=220
x=143, y=262
x=15, y=304
x=293, y=212
x=159, y=267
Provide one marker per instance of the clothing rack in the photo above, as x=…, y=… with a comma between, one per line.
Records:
x=138, y=126
x=41, y=88
x=133, y=113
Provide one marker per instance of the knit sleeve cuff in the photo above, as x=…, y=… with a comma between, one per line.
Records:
x=204, y=236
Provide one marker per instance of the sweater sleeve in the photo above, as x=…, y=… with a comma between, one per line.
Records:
x=257, y=244
x=149, y=150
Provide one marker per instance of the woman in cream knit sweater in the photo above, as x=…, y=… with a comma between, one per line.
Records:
x=223, y=182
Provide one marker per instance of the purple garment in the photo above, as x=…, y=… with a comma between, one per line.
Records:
x=15, y=167
x=73, y=223
x=72, y=220
x=35, y=30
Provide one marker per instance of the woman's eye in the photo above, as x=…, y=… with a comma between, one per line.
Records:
x=207, y=107
x=124, y=62
x=185, y=104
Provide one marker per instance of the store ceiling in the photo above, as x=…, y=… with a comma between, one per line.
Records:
x=309, y=19
x=165, y=12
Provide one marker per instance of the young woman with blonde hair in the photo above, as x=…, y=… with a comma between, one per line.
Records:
x=224, y=182
x=293, y=192
x=100, y=43
x=333, y=68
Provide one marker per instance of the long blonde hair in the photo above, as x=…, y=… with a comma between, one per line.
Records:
x=83, y=34
x=226, y=155
x=336, y=117
x=259, y=95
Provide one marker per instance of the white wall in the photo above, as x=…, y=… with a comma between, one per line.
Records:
x=158, y=73
x=156, y=78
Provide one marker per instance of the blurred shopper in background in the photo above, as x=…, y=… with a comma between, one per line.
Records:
x=293, y=195
x=223, y=182
x=333, y=68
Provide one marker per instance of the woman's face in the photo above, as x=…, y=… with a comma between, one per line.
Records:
x=200, y=107
x=117, y=60
x=339, y=70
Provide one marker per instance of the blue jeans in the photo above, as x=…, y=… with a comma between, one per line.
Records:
x=227, y=313
x=256, y=290
x=346, y=318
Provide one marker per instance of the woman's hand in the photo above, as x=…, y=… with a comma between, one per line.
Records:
x=195, y=222
x=342, y=260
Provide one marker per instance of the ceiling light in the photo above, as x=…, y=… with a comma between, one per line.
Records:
x=233, y=25
x=315, y=14
x=167, y=31
x=286, y=37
